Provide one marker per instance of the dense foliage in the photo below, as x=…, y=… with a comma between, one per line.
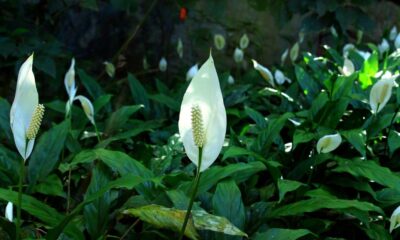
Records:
x=124, y=174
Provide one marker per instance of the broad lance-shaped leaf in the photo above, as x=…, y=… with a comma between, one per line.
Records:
x=202, y=118
x=282, y=234
x=170, y=218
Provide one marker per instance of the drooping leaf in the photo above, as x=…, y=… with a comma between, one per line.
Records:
x=286, y=186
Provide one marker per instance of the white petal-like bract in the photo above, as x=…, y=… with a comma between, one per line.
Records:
x=284, y=56
x=231, y=80
x=347, y=48
x=381, y=92
x=192, y=72
x=328, y=143
x=203, y=96
x=69, y=81
x=348, y=67
x=9, y=212
x=397, y=41
x=294, y=52
x=238, y=55
x=25, y=102
x=393, y=33
x=87, y=107
x=383, y=46
x=162, y=65
x=279, y=77
x=265, y=72
x=395, y=219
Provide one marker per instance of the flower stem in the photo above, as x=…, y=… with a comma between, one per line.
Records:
x=19, y=203
x=97, y=133
x=193, y=196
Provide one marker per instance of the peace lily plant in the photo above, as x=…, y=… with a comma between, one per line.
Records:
x=25, y=118
x=381, y=92
x=328, y=143
x=202, y=123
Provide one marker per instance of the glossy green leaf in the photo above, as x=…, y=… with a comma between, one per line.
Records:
x=286, y=186
x=357, y=138
x=45, y=155
x=282, y=234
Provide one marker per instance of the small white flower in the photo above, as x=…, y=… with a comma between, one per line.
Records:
x=70, y=86
x=179, y=48
x=393, y=33
x=87, y=107
x=348, y=67
x=231, y=80
x=294, y=52
x=219, y=41
x=280, y=77
x=162, y=65
x=395, y=219
x=238, y=55
x=284, y=56
x=347, y=48
x=397, y=41
x=364, y=54
x=328, y=143
x=9, y=211
x=301, y=36
x=244, y=41
x=383, y=47
x=202, y=118
x=265, y=72
x=381, y=92
x=192, y=72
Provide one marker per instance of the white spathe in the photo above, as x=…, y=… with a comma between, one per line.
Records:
x=162, y=65
x=238, y=55
x=87, y=107
x=192, y=72
x=69, y=81
x=328, y=143
x=395, y=219
x=231, y=80
x=25, y=101
x=9, y=211
x=347, y=48
x=381, y=92
x=265, y=72
x=393, y=33
x=204, y=91
x=383, y=46
x=284, y=56
x=279, y=77
x=397, y=41
x=348, y=67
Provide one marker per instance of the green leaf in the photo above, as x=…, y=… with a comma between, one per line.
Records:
x=256, y=116
x=368, y=71
x=302, y=136
x=139, y=93
x=45, y=64
x=370, y=170
x=96, y=213
x=306, y=82
x=394, y=141
x=166, y=100
x=45, y=155
x=343, y=86
x=91, y=85
x=239, y=172
x=282, y=234
x=52, y=185
x=118, y=118
x=314, y=204
x=286, y=186
x=89, y=4
x=10, y=163
x=117, y=161
x=138, y=129
x=227, y=202
x=357, y=138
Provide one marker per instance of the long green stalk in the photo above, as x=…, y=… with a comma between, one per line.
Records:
x=193, y=196
x=19, y=203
